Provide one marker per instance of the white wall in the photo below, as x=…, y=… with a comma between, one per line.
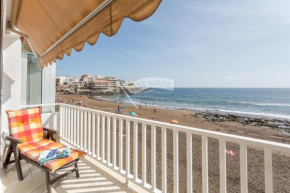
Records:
x=11, y=86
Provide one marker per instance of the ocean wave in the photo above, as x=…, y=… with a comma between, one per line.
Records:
x=266, y=104
x=212, y=110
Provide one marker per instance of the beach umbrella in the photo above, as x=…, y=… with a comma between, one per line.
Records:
x=122, y=107
x=119, y=112
x=174, y=121
x=132, y=113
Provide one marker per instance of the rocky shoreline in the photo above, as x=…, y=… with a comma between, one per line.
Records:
x=265, y=123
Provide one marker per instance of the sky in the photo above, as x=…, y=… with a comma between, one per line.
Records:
x=196, y=43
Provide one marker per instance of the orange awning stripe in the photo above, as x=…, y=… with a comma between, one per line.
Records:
x=46, y=21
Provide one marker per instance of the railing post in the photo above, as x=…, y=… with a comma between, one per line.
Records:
x=108, y=139
x=75, y=127
x=103, y=138
x=94, y=135
x=89, y=133
x=144, y=154
x=135, y=153
x=175, y=162
x=223, y=166
x=128, y=147
x=268, y=170
x=164, y=160
x=85, y=130
x=78, y=129
x=120, y=144
x=69, y=126
x=114, y=142
x=82, y=130
x=189, y=161
x=244, y=168
x=61, y=121
x=204, y=164
x=153, y=158
x=98, y=135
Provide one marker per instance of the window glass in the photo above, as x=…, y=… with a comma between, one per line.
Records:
x=34, y=81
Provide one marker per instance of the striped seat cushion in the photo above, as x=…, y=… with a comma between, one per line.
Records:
x=26, y=124
x=32, y=150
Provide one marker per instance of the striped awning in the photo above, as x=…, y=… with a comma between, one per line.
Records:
x=54, y=27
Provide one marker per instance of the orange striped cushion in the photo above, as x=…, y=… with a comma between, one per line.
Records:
x=33, y=149
x=26, y=124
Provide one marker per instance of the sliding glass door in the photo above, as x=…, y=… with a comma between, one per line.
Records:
x=34, y=81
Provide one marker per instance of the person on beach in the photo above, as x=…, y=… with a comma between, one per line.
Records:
x=155, y=110
x=140, y=106
x=118, y=108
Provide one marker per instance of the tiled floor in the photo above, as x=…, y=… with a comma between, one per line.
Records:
x=92, y=179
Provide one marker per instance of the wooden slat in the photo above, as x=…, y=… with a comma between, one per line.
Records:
x=153, y=158
x=223, y=166
x=135, y=149
x=164, y=159
x=204, y=164
x=189, y=161
x=268, y=171
x=120, y=145
x=244, y=168
x=175, y=162
x=128, y=148
x=144, y=166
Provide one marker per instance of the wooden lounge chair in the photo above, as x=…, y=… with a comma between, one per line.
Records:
x=28, y=138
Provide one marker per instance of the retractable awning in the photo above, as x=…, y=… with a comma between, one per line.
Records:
x=54, y=27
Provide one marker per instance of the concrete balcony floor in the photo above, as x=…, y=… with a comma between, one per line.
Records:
x=92, y=179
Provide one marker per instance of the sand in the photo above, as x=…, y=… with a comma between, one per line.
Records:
x=281, y=163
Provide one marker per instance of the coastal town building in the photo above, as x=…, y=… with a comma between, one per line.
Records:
x=94, y=82
x=100, y=85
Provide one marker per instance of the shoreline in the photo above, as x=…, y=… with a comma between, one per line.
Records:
x=222, y=112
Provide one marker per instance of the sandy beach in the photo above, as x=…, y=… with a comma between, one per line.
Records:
x=281, y=166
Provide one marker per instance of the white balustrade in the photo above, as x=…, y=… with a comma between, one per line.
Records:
x=92, y=125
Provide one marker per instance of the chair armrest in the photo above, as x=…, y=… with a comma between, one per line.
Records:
x=50, y=133
x=13, y=140
x=50, y=130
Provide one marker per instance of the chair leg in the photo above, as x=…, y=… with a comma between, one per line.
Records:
x=7, y=155
x=77, y=170
x=17, y=162
x=48, y=186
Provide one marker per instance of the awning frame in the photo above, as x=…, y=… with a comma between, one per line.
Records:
x=75, y=28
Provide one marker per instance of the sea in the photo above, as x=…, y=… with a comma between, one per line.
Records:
x=253, y=102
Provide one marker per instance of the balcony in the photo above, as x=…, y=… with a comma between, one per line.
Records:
x=131, y=154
